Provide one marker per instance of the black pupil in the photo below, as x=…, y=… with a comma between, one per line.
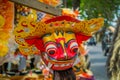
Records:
x=75, y=50
x=51, y=52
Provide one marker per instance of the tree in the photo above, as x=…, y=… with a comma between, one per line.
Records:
x=113, y=62
x=65, y=3
x=71, y=4
x=76, y=4
x=107, y=9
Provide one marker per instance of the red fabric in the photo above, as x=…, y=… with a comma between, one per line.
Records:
x=5, y=0
x=80, y=37
x=37, y=42
x=61, y=18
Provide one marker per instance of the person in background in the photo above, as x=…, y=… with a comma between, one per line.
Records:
x=22, y=62
x=107, y=41
x=37, y=63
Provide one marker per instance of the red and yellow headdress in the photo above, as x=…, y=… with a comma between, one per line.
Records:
x=28, y=33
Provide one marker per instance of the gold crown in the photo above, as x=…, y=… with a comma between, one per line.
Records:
x=26, y=29
x=31, y=29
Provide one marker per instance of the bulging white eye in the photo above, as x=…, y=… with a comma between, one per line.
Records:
x=74, y=47
x=51, y=49
x=51, y=46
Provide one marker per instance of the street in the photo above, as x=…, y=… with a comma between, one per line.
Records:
x=98, y=62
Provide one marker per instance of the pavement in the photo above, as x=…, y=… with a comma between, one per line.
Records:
x=98, y=62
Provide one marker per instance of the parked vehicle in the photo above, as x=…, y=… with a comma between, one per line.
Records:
x=92, y=41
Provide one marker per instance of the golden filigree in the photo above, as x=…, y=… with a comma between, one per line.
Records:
x=27, y=29
x=30, y=29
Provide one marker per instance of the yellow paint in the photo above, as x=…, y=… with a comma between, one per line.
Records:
x=2, y=21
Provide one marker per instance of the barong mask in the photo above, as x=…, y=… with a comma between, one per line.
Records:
x=61, y=50
x=57, y=39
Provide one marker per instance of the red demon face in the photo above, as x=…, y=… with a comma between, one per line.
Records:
x=60, y=50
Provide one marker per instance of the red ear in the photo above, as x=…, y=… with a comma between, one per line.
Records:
x=80, y=37
x=37, y=42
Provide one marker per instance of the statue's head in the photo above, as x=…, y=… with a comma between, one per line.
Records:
x=58, y=39
x=61, y=49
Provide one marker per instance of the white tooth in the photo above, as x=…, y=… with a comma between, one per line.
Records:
x=46, y=57
x=49, y=65
x=68, y=64
x=56, y=65
x=62, y=65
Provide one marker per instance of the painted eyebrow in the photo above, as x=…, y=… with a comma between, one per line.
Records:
x=50, y=42
x=70, y=41
x=66, y=44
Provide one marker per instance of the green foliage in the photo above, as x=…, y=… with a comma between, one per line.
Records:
x=69, y=3
x=100, y=8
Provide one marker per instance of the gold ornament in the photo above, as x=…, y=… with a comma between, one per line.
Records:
x=2, y=21
x=27, y=29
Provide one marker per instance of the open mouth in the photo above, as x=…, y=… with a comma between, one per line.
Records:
x=58, y=65
x=62, y=66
